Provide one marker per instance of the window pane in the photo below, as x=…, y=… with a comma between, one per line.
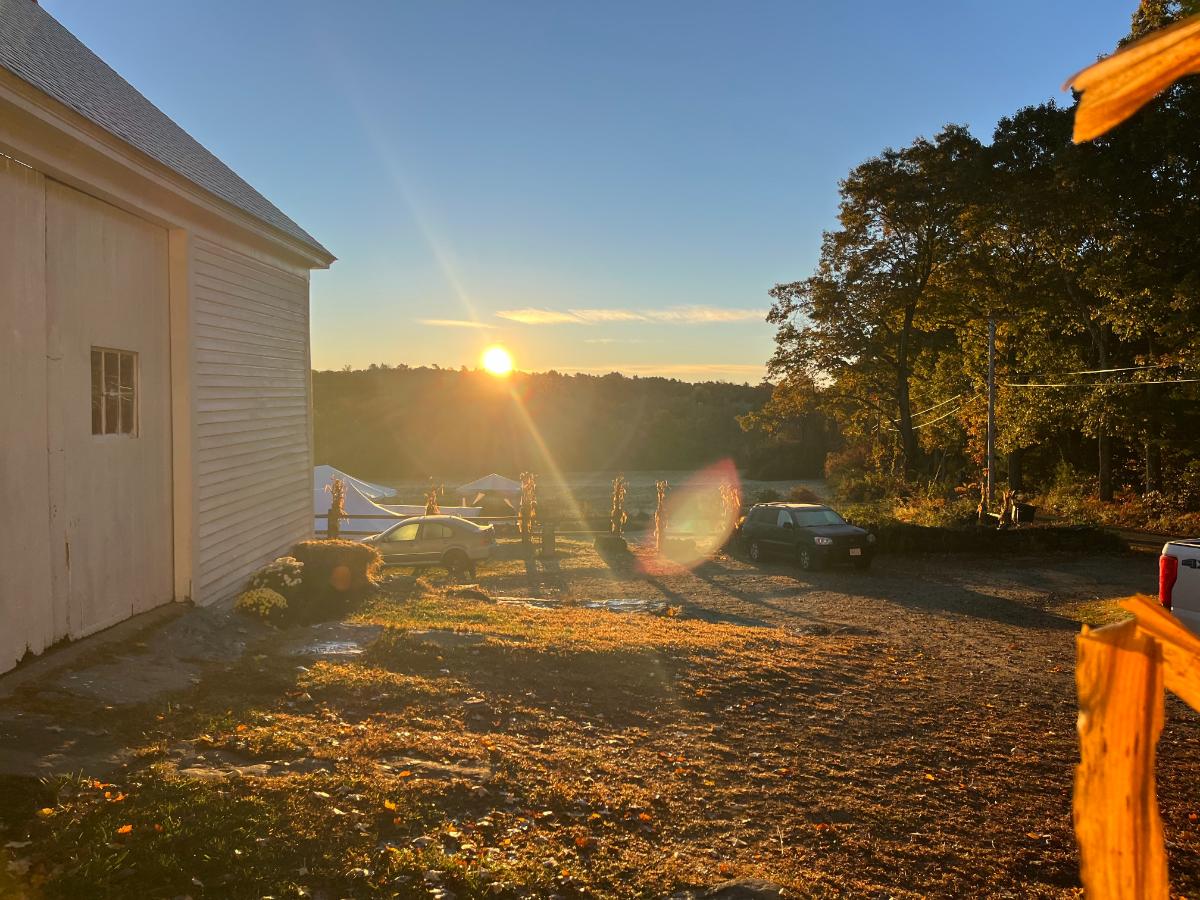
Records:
x=128, y=393
x=405, y=532
x=97, y=392
x=111, y=372
x=112, y=413
x=127, y=371
x=126, y=412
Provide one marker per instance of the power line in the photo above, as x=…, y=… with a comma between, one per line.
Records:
x=1101, y=384
x=956, y=409
x=939, y=418
x=1122, y=369
x=936, y=406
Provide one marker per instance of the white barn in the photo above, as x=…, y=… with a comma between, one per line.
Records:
x=154, y=353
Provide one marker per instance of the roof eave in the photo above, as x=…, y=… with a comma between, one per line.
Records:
x=67, y=121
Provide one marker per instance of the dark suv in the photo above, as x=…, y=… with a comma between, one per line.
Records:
x=811, y=534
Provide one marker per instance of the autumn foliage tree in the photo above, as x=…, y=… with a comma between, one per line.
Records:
x=1087, y=256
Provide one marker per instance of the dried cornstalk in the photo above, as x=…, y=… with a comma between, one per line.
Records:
x=337, y=508
x=1120, y=674
x=431, y=500
x=731, y=506
x=527, y=512
x=618, y=517
x=1119, y=85
x=660, y=514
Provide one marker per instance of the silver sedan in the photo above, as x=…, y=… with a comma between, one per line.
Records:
x=450, y=541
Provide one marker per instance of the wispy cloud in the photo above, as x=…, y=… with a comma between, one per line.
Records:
x=454, y=323
x=699, y=314
x=608, y=315
x=532, y=316
x=686, y=315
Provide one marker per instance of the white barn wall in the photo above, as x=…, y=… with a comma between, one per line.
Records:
x=251, y=401
x=26, y=611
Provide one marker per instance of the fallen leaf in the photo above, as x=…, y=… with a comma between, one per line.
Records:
x=125, y=829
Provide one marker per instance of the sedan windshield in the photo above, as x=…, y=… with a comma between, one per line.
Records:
x=806, y=518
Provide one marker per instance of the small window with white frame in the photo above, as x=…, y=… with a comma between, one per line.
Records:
x=114, y=391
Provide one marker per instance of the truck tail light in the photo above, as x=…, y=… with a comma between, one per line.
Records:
x=1168, y=573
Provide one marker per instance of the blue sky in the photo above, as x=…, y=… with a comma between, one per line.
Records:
x=597, y=186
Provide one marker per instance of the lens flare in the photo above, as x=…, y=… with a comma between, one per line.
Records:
x=497, y=361
x=697, y=522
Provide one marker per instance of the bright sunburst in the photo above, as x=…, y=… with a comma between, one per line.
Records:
x=497, y=361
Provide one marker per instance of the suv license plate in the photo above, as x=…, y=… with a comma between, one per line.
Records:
x=856, y=551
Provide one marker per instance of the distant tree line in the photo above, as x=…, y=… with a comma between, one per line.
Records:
x=400, y=422
x=1088, y=257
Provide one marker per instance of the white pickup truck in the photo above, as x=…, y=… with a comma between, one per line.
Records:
x=1179, y=581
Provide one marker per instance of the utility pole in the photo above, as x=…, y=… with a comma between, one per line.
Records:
x=991, y=414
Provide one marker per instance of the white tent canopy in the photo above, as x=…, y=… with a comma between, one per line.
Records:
x=494, y=483
x=366, y=517
x=324, y=475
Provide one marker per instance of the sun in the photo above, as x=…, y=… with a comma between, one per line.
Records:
x=497, y=361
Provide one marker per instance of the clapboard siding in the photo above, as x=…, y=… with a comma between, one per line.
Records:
x=29, y=619
x=253, y=458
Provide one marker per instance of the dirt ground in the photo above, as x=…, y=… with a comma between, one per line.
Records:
x=935, y=738
x=902, y=732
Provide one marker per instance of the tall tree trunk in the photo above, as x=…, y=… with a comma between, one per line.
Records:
x=1104, y=468
x=908, y=435
x=1099, y=334
x=1153, y=465
x=1015, y=468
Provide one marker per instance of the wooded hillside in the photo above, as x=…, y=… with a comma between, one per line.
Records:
x=394, y=423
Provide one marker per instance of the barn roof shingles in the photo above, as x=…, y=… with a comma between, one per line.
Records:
x=40, y=51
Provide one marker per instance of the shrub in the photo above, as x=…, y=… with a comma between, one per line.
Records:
x=262, y=602
x=801, y=494
x=765, y=495
x=335, y=573
x=870, y=486
x=1069, y=495
x=284, y=575
x=892, y=536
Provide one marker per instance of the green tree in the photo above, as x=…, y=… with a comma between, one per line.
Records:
x=857, y=327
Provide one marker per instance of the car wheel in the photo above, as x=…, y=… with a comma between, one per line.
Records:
x=755, y=551
x=456, y=561
x=807, y=557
